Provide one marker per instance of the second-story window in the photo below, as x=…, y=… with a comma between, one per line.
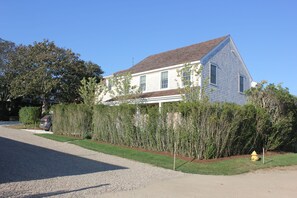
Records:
x=186, y=78
x=213, y=74
x=241, y=84
x=142, y=83
x=164, y=79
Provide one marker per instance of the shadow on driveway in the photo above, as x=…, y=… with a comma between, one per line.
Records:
x=63, y=192
x=24, y=162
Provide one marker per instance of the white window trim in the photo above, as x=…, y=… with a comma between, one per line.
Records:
x=144, y=83
x=244, y=78
x=209, y=75
x=191, y=78
x=161, y=80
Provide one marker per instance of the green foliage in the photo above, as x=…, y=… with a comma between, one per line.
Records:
x=199, y=130
x=43, y=71
x=58, y=138
x=188, y=83
x=72, y=120
x=29, y=115
x=230, y=166
x=7, y=49
x=281, y=107
x=87, y=90
x=115, y=124
x=122, y=91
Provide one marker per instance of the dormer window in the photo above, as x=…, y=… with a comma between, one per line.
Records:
x=164, y=80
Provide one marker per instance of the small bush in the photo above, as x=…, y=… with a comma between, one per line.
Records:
x=29, y=115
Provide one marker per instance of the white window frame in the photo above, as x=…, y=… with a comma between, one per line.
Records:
x=183, y=77
x=239, y=83
x=216, y=74
x=161, y=80
x=142, y=85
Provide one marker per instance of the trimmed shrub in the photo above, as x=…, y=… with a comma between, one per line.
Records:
x=72, y=120
x=29, y=115
x=199, y=130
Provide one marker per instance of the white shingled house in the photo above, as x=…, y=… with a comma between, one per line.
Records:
x=224, y=74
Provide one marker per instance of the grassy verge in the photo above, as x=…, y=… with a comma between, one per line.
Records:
x=58, y=138
x=223, y=167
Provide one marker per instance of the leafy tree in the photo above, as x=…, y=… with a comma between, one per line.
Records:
x=282, y=108
x=45, y=72
x=188, y=83
x=90, y=91
x=7, y=49
x=122, y=90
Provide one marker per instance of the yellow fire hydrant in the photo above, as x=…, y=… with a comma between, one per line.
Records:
x=254, y=156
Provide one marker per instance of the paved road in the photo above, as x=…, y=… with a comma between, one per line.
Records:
x=31, y=166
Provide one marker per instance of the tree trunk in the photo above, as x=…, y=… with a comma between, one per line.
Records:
x=45, y=106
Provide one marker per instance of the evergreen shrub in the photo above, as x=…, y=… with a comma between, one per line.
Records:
x=72, y=120
x=29, y=115
x=199, y=130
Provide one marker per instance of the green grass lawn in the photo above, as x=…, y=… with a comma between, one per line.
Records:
x=218, y=167
x=58, y=138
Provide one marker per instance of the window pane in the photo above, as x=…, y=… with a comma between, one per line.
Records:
x=164, y=79
x=241, y=83
x=186, y=78
x=142, y=83
x=213, y=74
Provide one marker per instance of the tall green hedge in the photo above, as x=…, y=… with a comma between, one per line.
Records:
x=198, y=130
x=72, y=120
x=29, y=115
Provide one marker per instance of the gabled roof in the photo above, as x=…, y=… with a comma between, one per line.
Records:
x=174, y=57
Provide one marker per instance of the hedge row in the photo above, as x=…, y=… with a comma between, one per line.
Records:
x=197, y=130
x=29, y=115
x=200, y=130
x=72, y=120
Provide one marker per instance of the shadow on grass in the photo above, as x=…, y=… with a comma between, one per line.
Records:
x=24, y=162
x=185, y=163
x=268, y=161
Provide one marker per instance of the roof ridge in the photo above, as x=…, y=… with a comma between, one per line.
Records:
x=176, y=56
x=189, y=45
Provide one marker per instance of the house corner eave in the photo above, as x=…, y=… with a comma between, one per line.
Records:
x=213, y=51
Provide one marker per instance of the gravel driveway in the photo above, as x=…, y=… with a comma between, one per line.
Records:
x=31, y=166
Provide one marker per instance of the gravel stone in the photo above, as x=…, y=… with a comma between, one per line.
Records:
x=31, y=166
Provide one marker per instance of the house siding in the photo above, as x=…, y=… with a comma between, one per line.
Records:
x=229, y=67
x=153, y=81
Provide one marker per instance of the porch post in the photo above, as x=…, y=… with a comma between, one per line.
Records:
x=160, y=107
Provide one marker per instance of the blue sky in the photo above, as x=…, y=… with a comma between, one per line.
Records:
x=113, y=33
